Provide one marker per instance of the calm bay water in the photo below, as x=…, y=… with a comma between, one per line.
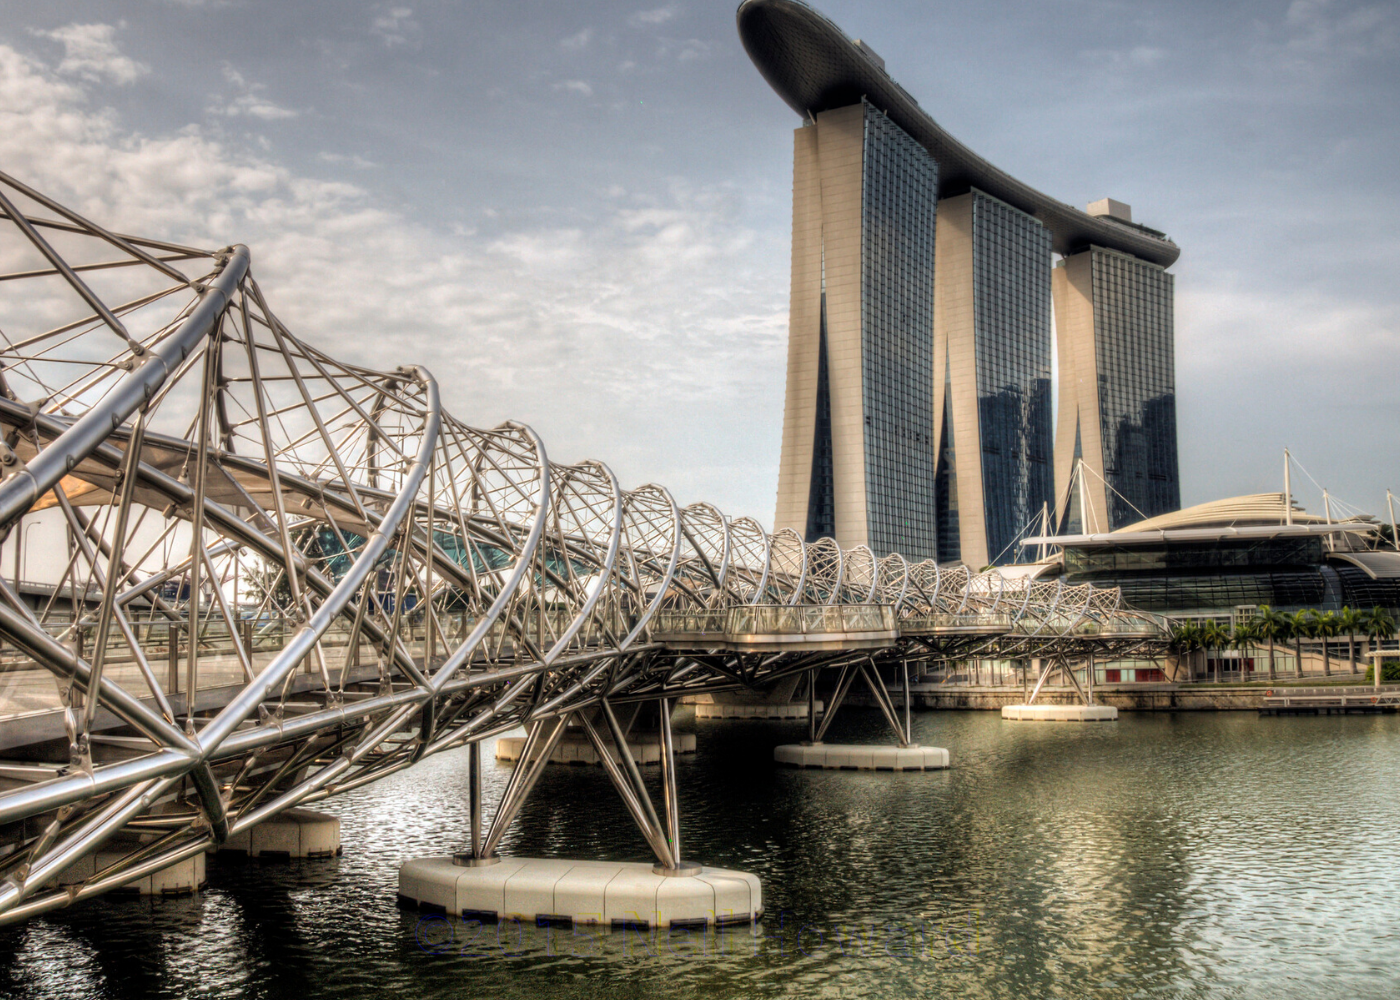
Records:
x=1217, y=855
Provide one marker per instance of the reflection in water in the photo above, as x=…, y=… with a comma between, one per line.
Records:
x=1223, y=855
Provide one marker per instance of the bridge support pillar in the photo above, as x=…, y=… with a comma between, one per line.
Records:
x=906, y=755
x=179, y=879
x=296, y=833
x=672, y=892
x=1086, y=711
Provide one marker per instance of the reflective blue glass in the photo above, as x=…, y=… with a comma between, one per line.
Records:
x=1133, y=343
x=899, y=200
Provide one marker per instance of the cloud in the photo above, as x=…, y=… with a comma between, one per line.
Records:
x=576, y=86
x=358, y=162
x=643, y=334
x=90, y=52
x=577, y=43
x=1139, y=56
x=658, y=15
x=251, y=103
x=683, y=50
x=1146, y=55
x=396, y=26
x=1317, y=26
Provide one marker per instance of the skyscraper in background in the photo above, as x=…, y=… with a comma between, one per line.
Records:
x=858, y=422
x=918, y=416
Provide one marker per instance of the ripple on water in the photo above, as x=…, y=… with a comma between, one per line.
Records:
x=1213, y=855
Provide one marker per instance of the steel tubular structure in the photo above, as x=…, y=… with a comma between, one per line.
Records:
x=288, y=576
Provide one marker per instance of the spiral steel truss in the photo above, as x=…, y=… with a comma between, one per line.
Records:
x=290, y=576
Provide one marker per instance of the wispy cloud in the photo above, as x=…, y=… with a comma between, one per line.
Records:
x=251, y=102
x=576, y=86
x=395, y=26
x=610, y=335
x=578, y=42
x=657, y=15
x=90, y=51
x=683, y=49
x=353, y=160
x=1320, y=26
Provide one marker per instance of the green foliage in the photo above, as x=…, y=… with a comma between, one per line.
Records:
x=1214, y=635
x=1379, y=625
x=1324, y=624
x=1185, y=637
x=1271, y=623
x=1390, y=673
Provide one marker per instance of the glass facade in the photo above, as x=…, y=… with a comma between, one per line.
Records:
x=1275, y=553
x=899, y=200
x=1287, y=573
x=1133, y=339
x=1011, y=306
x=946, y=485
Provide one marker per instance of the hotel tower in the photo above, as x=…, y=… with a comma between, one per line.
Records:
x=918, y=415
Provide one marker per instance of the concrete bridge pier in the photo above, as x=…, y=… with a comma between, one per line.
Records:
x=906, y=755
x=296, y=833
x=182, y=878
x=481, y=885
x=1087, y=711
x=779, y=703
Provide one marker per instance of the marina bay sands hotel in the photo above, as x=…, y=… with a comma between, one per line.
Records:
x=918, y=413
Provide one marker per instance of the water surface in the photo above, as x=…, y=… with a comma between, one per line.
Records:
x=1213, y=855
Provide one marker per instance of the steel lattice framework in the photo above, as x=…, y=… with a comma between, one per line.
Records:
x=291, y=576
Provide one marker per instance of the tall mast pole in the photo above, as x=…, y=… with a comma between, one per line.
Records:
x=1287, y=492
x=1083, y=505
x=1390, y=504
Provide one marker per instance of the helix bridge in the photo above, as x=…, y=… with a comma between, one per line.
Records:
x=288, y=576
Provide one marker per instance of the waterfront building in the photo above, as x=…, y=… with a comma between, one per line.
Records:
x=1228, y=557
x=918, y=414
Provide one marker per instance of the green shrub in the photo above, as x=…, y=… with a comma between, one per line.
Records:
x=1390, y=673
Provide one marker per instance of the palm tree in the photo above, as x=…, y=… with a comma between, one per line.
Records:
x=1271, y=624
x=1324, y=627
x=1245, y=634
x=1214, y=636
x=1378, y=625
x=1299, y=628
x=1184, y=639
x=1351, y=621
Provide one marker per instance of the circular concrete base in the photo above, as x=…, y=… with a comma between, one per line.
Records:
x=761, y=710
x=1060, y=713
x=180, y=879
x=645, y=748
x=296, y=833
x=586, y=892
x=847, y=757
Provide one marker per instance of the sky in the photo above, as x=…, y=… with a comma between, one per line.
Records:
x=577, y=215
